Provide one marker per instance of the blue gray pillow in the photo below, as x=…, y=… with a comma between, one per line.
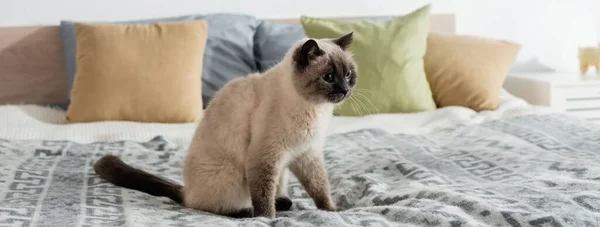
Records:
x=229, y=51
x=272, y=41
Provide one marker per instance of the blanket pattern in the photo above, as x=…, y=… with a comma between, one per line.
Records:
x=535, y=170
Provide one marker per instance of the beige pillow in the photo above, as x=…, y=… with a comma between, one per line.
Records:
x=143, y=72
x=466, y=70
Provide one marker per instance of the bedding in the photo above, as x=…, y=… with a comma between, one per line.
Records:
x=33, y=122
x=517, y=166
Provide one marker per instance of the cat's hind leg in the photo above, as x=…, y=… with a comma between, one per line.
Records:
x=243, y=213
x=282, y=199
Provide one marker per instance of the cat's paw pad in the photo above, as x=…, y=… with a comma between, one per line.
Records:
x=283, y=204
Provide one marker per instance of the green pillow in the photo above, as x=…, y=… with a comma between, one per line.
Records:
x=389, y=57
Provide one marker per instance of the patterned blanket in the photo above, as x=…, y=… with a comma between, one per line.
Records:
x=536, y=170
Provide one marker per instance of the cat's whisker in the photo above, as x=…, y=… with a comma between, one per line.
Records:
x=350, y=100
x=362, y=89
x=374, y=108
x=358, y=107
x=354, y=105
x=363, y=105
x=369, y=100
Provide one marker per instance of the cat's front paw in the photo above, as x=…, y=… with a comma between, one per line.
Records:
x=266, y=211
x=283, y=204
x=332, y=208
x=329, y=206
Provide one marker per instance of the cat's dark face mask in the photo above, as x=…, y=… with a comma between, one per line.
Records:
x=325, y=74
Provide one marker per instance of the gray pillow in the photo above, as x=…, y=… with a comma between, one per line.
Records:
x=228, y=53
x=272, y=41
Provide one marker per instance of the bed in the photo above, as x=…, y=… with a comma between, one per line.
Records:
x=518, y=165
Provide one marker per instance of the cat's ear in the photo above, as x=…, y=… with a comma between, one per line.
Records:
x=307, y=52
x=345, y=41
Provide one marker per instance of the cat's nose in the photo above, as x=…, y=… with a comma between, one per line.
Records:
x=345, y=91
x=342, y=90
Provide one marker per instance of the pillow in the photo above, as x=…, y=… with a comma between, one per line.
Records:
x=67, y=35
x=273, y=39
x=389, y=56
x=228, y=54
x=142, y=73
x=466, y=70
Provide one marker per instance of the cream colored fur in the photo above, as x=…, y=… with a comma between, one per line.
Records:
x=246, y=125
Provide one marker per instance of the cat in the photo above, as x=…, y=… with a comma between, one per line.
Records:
x=256, y=129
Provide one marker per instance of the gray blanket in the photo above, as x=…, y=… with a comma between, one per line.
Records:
x=525, y=171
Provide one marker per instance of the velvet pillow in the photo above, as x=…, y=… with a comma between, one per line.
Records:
x=389, y=55
x=143, y=73
x=468, y=71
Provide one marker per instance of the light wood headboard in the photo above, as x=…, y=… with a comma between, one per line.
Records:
x=32, y=68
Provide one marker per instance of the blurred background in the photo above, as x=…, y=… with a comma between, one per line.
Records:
x=550, y=31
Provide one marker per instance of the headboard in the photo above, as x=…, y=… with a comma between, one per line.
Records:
x=438, y=22
x=32, y=68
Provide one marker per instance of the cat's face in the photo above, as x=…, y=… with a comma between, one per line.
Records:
x=324, y=70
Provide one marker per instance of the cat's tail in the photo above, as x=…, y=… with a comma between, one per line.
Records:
x=113, y=170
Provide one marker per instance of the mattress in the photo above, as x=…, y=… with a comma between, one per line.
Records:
x=519, y=165
x=31, y=122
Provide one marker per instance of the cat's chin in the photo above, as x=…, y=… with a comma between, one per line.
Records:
x=337, y=102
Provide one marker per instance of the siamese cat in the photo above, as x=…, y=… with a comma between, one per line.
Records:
x=254, y=130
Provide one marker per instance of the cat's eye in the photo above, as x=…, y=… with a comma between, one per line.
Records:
x=328, y=78
x=349, y=73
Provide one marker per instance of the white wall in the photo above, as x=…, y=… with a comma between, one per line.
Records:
x=20, y=12
x=549, y=30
